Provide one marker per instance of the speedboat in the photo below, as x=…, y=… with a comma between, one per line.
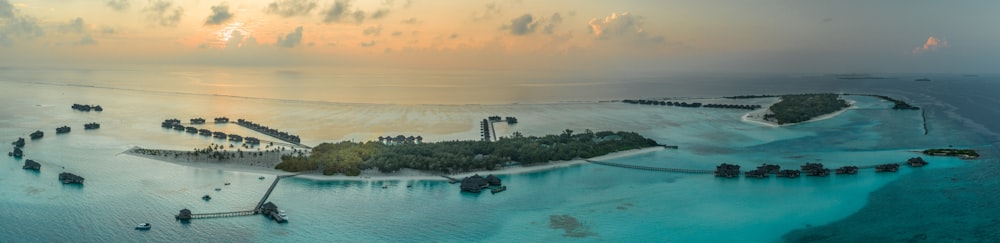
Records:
x=260, y=178
x=206, y=198
x=227, y=183
x=143, y=226
x=218, y=189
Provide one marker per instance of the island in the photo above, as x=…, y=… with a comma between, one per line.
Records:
x=350, y=158
x=961, y=153
x=804, y=107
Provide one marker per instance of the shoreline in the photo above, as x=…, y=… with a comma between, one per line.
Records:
x=259, y=166
x=757, y=116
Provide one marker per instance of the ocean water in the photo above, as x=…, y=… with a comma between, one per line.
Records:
x=608, y=203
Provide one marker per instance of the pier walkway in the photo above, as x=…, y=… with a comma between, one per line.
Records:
x=649, y=168
x=258, y=209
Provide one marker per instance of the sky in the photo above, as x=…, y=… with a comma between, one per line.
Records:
x=563, y=35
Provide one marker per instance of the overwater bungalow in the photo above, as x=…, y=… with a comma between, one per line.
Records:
x=222, y=120
x=235, y=138
x=494, y=118
x=70, y=178
x=769, y=168
x=474, y=184
x=31, y=165
x=185, y=214
x=727, y=170
x=17, y=153
x=758, y=173
x=887, y=167
x=91, y=126
x=98, y=108
x=252, y=140
x=19, y=143
x=191, y=129
x=916, y=162
x=271, y=211
x=179, y=127
x=62, y=129
x=493, y=180
x=788, y=173
x=37, y=134
x=511, y=120
x=80, y=107
x=198, y=120
x=847, y=170
x=815, y=169
x=219, y=135
x=204, y=132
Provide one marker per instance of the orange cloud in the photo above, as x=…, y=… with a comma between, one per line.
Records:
x=931, y=45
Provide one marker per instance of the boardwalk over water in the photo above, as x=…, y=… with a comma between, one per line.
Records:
x=255, y=210
x=649, y=168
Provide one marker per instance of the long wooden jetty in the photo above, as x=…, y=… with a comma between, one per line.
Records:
x=258, y=209
x=222, y=214
x=639, y=167
x=693, y=171
x=451, y=180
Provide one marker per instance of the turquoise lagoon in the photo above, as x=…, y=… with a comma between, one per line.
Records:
x=607, y=203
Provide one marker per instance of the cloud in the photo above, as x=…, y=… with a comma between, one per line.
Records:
x=118, y=5
x=235, y=38
x=160, y=12
x=108, y=30
x=337, y=11
x=220, y=14
x=289, y=8
x=374, y=30
x=381, y=13
x=622, y=26
x=931, y=44
x=291, y=39
x=359, y=16
x=553, y=21
x=74, y=25
x=86, y=41
x=522, y=25
x=368, y=44
x=411, y=20
x=15, y=26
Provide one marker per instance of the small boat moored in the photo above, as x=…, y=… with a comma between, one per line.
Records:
x=260, y=178
x=498, y=189
x=143, y=226
x=206, y=197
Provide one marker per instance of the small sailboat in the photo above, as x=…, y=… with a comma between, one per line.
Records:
x=143, y=226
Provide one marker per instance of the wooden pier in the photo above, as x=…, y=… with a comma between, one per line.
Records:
x=186, y=214
x=451, y=180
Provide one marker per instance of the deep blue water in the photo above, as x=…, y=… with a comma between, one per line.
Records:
x=952, y=199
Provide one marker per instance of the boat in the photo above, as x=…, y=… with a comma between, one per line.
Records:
x=206, y=197
x=227, y=183
x=62, y=129
x=385, y=186
x=143, y=226
x=218, y=189
x=260, y=178
x=37, y=134
x=498, y=189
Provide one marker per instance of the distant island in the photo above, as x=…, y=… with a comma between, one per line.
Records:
x=350, y=158
x=803, y=107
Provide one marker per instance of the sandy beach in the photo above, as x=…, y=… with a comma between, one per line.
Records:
x=265, y=165
x=757, y=116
